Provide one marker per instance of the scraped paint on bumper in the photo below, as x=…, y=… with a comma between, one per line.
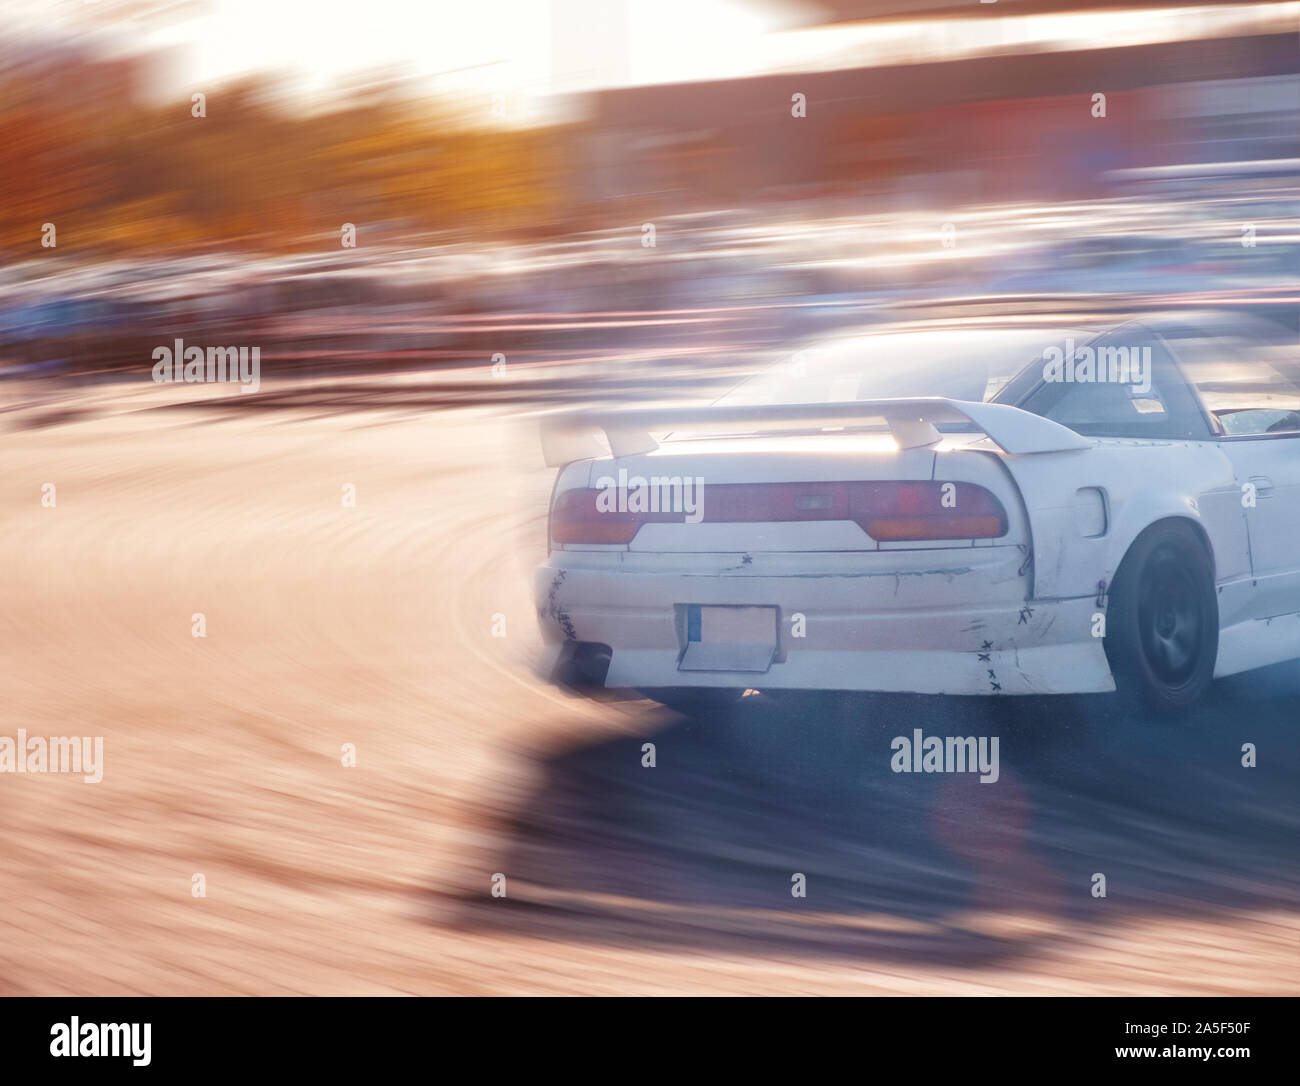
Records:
x=964, y=628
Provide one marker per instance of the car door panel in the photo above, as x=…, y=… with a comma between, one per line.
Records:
x=1268, y=469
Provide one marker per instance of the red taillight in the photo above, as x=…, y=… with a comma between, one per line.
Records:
x=914, y=511
x=577, y=518
x=888, y=511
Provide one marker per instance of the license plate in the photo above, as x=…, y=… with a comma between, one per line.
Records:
x=729, y=638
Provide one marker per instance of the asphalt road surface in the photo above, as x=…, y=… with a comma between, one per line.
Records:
x=374, y=625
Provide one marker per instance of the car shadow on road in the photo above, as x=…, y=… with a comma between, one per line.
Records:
x=703, y=849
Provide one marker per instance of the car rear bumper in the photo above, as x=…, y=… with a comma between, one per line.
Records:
x=962, y=629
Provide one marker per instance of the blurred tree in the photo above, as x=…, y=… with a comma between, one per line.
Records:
x=253, y=173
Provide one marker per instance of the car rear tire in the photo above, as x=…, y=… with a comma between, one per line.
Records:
x=1162, y=621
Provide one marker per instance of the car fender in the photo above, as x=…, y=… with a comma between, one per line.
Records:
x=1136, y=483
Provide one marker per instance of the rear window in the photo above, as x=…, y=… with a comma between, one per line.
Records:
x=957, y=365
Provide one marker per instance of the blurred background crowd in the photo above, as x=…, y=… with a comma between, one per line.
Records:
x=802, y=164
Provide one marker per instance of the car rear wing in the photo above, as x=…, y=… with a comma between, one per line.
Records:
x=573, y=435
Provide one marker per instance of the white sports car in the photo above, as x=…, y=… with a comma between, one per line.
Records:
x=924, y=512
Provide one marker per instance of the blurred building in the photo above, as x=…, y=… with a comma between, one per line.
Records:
x=62, y=75
x=989, y=128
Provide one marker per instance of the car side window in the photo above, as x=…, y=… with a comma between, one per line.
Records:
x=1247, y=396
x=1122, y=384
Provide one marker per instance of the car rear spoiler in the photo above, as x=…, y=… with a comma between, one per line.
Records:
x=572, y=435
